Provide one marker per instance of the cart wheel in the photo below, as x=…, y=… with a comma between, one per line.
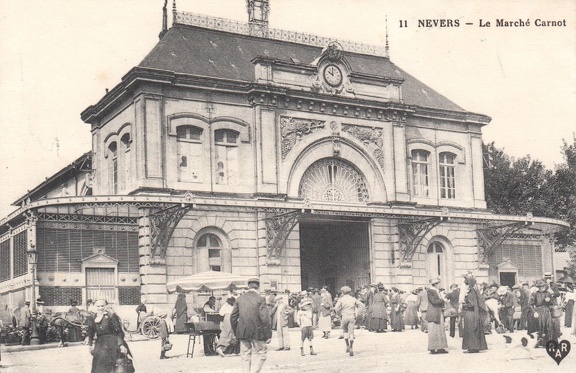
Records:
x=151, y=327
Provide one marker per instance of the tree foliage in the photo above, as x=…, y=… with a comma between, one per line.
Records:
x=519, y=186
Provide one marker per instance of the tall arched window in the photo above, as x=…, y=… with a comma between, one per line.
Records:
x=420, y=173
x=447, y=165
x=226, y=155
x=126, y=142
x=113, y=148
x=190, y=153
x=436, y=264
x=209, y=250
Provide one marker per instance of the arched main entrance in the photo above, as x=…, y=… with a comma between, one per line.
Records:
x=334, y=250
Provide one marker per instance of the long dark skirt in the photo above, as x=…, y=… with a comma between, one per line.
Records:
x=105, y=353
x=545, y=326
x=473, y=336
x=396, y=320
x=411, y=314
x=531, y=322
x=568, y=313
x=377, y=323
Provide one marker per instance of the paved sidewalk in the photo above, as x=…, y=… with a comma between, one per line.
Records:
x=383, y=352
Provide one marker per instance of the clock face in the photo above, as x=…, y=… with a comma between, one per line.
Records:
x=333, y=75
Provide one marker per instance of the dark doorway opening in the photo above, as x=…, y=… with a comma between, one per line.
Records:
x=334, y=252
x=508, y=279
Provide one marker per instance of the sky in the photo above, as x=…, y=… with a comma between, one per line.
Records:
x=57, y=57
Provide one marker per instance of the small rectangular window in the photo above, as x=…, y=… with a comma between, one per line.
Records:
x=213, y=253
x=189, y=133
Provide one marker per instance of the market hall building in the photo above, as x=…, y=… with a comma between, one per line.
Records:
x=238, y=148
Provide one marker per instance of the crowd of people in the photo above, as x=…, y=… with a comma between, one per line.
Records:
x=247, y=321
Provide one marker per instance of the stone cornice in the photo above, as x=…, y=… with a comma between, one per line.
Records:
x=456, y=116
x=286, y=99
x=139, y=75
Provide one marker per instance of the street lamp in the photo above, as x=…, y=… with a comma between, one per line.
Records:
x=32, y=261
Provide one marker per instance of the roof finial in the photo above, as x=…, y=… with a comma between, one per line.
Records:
x=174, y=12
x=164, y=20
x=387, y=48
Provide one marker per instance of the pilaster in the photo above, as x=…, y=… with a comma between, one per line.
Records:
x=152, y=270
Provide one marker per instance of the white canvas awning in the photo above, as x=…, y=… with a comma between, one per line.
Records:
x=208, y=281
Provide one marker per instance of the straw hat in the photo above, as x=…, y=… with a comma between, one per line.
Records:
x=254, y=279
x=435, y=280
x=502, y=290
x=306, y=302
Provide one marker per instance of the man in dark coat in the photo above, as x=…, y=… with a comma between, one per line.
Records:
x=250, y=321
x=422, y=304
x=524, y=305
x=506, y=299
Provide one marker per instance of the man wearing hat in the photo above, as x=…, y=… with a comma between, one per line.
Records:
x=506, y=299
x=437, y=342
x=250, y=321
x=346, y=308
x=25, y=316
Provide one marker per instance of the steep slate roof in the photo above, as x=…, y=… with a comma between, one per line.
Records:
x=212, y=53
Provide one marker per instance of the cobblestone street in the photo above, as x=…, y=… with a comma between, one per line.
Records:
x=388, y=352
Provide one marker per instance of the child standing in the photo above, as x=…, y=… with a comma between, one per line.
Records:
x=164, y=334
x=305, y=322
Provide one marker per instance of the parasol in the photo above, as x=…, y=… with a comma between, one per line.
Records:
x=208, y=281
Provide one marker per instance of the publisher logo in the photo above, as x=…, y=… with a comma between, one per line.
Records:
x=558, y=350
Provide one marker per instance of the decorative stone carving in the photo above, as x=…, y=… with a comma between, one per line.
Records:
x=367, y=136
x=293, y=130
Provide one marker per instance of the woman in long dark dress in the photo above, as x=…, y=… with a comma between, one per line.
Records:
x=379, y=319
x=569, y=307
x=541, y=301
x=474, y=312
x=396, y=319
x=180, y=314
x=107, y=329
